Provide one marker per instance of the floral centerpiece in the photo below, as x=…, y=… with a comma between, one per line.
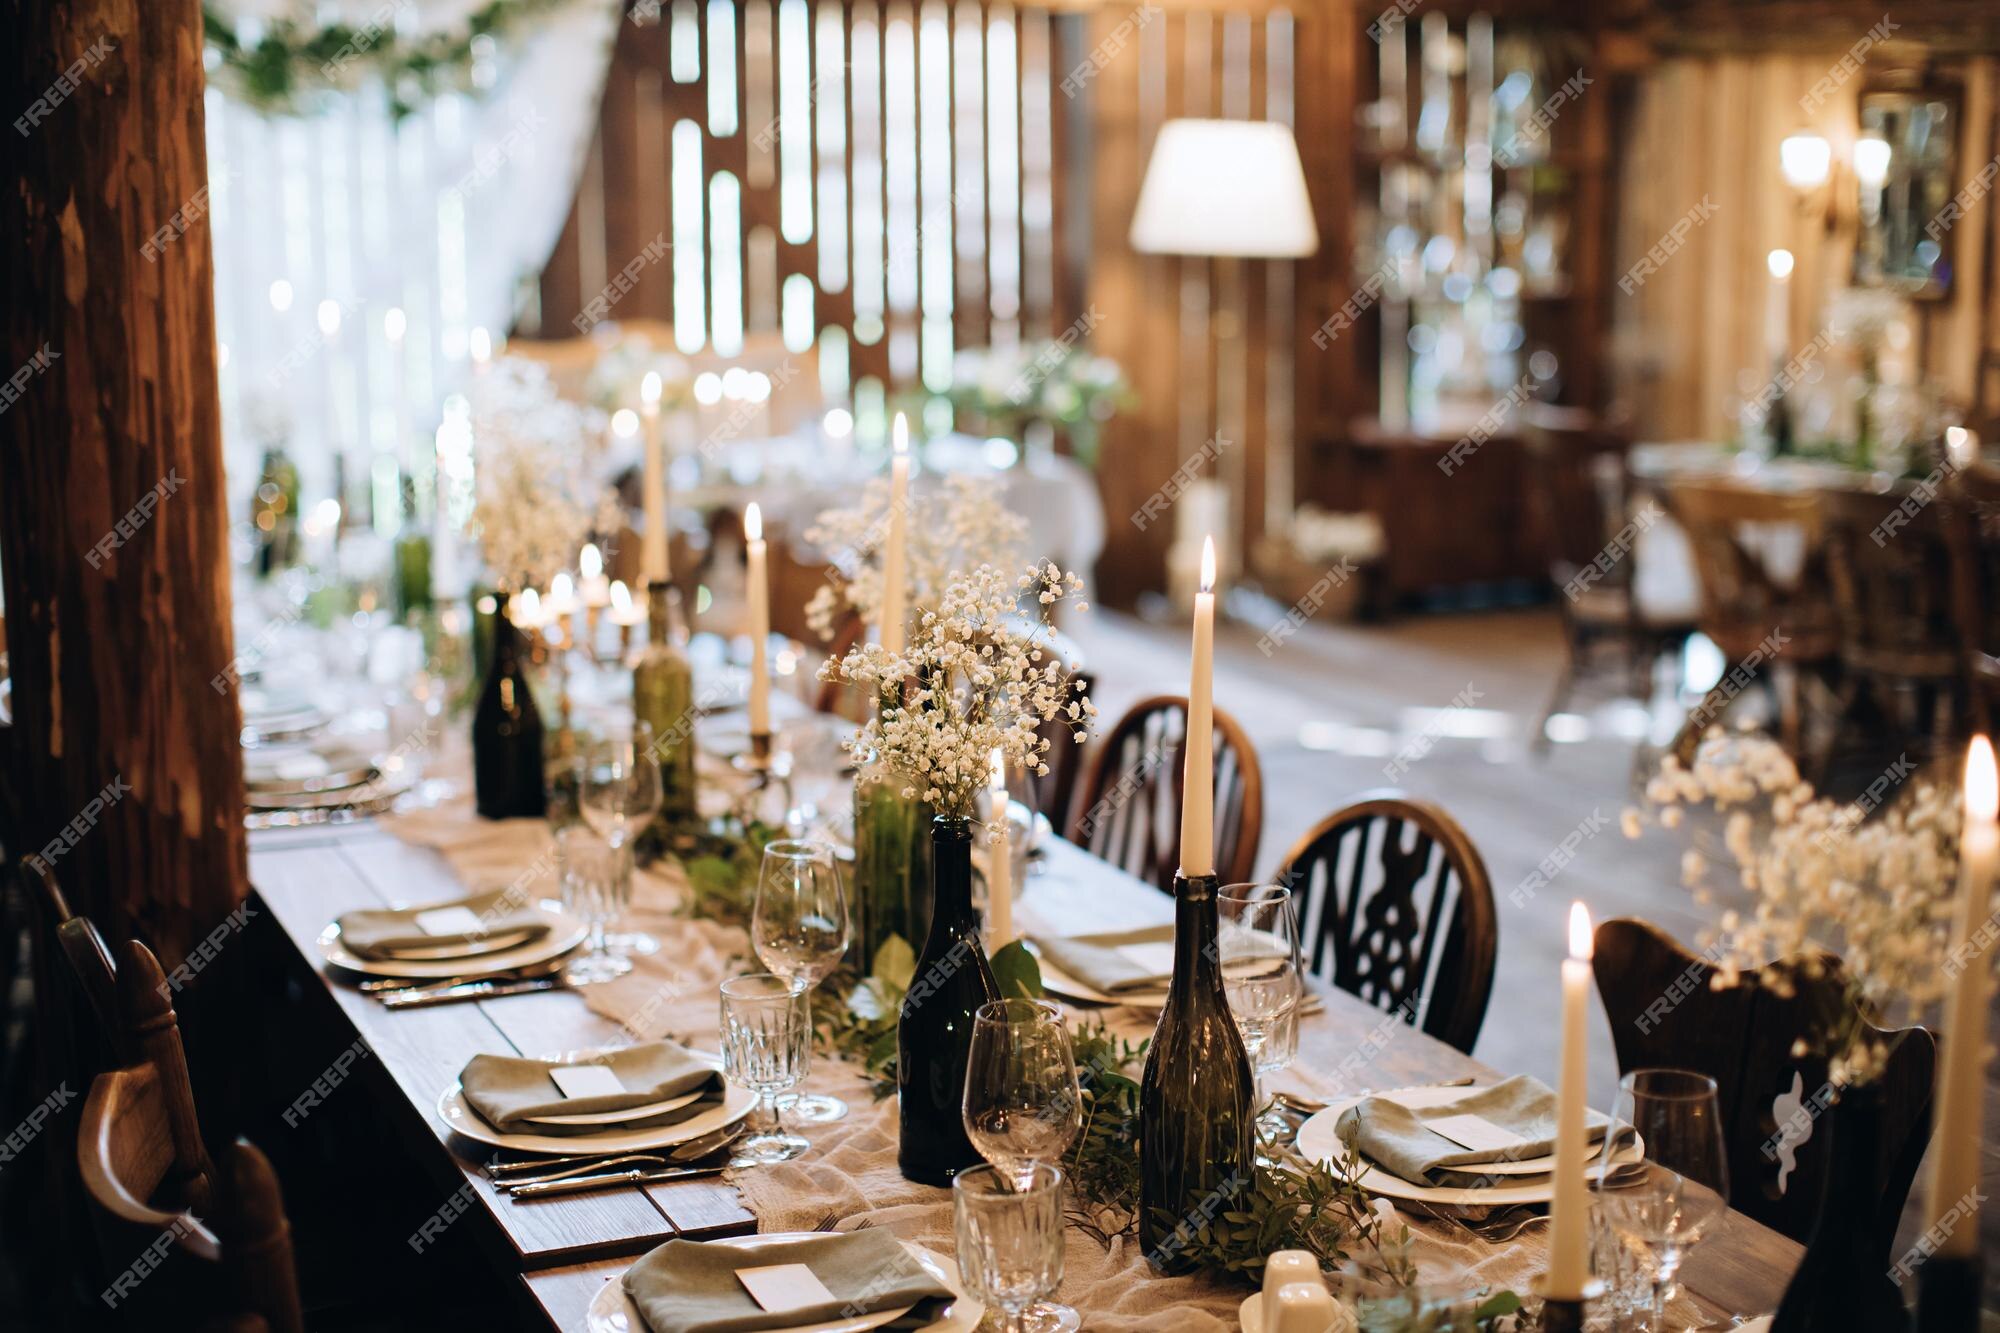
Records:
x=1054, y=384
x=537, y=495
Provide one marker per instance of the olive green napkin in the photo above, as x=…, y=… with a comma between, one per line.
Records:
x=1399, y=1139
x=1104, y=962
x=690, y=1286
x=508, y=1091
x=381, y=934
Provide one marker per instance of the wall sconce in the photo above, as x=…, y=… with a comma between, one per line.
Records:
x=1806, y=160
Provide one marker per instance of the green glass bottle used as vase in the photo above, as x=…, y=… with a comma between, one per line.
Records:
x=663, y=698
x=892, y=860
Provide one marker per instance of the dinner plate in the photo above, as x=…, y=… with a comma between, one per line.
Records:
x=1059, y=982
x=613, y=1312
x=736, y=1103
x=565, y=933
x=615, y=1117
x=1318, y=1142
x=495, y=943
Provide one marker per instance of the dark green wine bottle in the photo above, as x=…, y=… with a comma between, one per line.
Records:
x=1197, y=1150
x=663, y=696
x=507, y=772
x=934, y=1030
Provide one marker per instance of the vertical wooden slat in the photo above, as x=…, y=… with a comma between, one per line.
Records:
x=1038, y=261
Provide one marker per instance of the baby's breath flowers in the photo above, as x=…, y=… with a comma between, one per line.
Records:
x=976, y=676
x=950, y=528
x=537, y=493
x=1813, y=874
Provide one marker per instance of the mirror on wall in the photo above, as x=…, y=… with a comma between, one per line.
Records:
x=1905, y=171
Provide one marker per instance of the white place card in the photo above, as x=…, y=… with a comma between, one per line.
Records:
x=449, y=921
x=586, y=1080
x=1474, y=1132
x=1156, y=958
x=781, y=1287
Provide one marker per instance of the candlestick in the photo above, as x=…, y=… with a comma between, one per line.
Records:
x=1569, y=1210
x=1777, y=306
x=654, y=550
x=561, y=601
x=624, y=613
x=1955, y=1152
x=480, y=343
x=1198, y=776
x=895, y=595
x=760, y=622
x=594, y=587
x=999, y=863
x=526, y=611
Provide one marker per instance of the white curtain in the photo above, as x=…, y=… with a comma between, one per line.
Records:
x=327, y=221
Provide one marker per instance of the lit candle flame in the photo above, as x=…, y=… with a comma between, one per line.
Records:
x=481, y=343
x=1780, y=263
x=621, y=598
x=899, y=434
x=527, y=611
x=1208, y=564
x=590, y=562
x=1982, y=783
x=649, y=389
x=753, y=523
x=1579, y=932
x=562, y=592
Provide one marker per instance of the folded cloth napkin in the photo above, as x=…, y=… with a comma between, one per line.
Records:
x=1399, y=1138
x=382, y=933
x=508, y=1091
x=1117, y=962
x=688, y=1286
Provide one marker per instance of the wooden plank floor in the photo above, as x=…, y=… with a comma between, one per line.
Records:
x=1333, y=704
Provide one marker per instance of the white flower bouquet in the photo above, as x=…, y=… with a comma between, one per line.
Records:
x=538, y=492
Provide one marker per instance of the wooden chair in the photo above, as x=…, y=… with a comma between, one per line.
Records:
x=84, y=949
x=1744, y=598
x=1664, y=1014
x=1893, y=590
x=1127, y=808
x=1579, y=484
x=154, y=1189
x=1056, y=791
x=1974, y=514
x=1395, y=906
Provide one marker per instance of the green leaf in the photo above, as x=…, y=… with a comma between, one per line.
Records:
x=895, y=962
x=1496, y=1305
x=1017, y=972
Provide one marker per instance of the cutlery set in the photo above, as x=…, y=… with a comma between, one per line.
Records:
x=419, y=992
x=546, y=1177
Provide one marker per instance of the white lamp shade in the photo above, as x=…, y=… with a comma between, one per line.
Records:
x=1225, y=187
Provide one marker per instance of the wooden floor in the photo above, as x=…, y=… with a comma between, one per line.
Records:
x=1334, y=704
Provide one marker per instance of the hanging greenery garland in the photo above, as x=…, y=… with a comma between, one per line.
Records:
x=285, y=66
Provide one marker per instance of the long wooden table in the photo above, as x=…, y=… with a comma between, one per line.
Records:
x=564, y=1249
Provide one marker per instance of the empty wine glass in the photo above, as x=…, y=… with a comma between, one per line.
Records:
x=1010, y=1239
x=587, y=869
x=1258, y=947
x=766, y=1034
x=1669, y=1202
x=618, y=793
x=799, y=929
x=1023, y=1108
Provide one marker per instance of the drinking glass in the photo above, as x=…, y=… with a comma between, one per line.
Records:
x=587, y=871
x=1665, y=1206
x=619, y=792
x=1258, y=946
x=1023, y=1108
x=766, y=1035
x=1010, y=1239
x=799, y=929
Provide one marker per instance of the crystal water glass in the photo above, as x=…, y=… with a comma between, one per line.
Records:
x=619, y=792
x=799, y=928
x=588, y=874
x=1010, y=1239
x=1667, y=1206
x=766, y=1037
x=1258, y=947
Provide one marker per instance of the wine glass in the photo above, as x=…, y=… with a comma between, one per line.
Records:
x=587, y=869
x=1023, y=1107
x=799, y=929
x=766, y=1039
x=1258, y=947
x=619, y=792
x=1010, y=1239
x=1665, y=1205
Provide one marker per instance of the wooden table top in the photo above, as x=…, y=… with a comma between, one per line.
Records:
x=564, y=1249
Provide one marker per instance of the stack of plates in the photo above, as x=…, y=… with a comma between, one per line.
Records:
x=273, y=716
x=498, y=952
x=1528, y=1180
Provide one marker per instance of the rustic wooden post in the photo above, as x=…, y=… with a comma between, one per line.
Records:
x=122, y=762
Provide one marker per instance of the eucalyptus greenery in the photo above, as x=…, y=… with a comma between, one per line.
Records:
x=285, y=65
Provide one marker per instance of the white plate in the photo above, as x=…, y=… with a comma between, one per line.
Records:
x=1059, y=982
x=498, y=943
x=613, y=1312
x=565, y=933
x=736, y=1103
x=1317, y=1142
x=615, y=1117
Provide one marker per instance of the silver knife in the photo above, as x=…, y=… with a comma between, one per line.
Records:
x=467, y=990
x=581, y=1184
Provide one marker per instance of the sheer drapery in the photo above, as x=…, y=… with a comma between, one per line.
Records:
x=338, y=228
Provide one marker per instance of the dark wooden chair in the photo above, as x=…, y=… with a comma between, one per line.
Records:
x=1893, y=592
x=1744, y=599
x=1127, y=807
x=88, y=957
x=1589, y=521
x=1664, y=1013
x=155, y=1191
x=1395, y=906
x=1974, y=513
